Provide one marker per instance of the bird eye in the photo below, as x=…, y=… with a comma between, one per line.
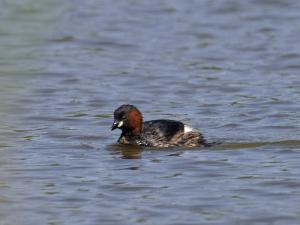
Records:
x=123, y=116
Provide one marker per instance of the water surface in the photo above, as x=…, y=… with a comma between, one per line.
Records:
x=228, y=68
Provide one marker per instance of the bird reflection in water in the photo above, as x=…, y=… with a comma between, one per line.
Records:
x=126, y=151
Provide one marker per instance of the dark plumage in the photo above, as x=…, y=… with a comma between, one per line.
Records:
x=154, y=133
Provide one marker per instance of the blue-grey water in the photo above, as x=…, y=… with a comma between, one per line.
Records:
x=229, y=68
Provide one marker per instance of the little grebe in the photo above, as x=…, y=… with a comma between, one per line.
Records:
x=154, y=133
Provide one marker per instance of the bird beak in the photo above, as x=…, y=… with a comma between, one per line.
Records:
x=117, y=124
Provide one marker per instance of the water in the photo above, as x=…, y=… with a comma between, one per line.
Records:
x=229, y=68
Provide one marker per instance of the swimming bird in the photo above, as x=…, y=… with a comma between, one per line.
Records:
x=153, y=133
